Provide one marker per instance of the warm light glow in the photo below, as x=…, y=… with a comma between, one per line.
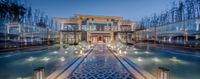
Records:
x=120, y=52
x=81, y=53
x=125, y=52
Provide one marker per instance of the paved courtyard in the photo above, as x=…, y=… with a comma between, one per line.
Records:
x=100, y=64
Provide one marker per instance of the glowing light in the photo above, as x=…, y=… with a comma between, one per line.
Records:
x=24, y=77
x=146, y=52
x=66, y=52
x=120, y=52
x=19, y=78
x=174, y=59
x=139, y=59
x=62, y=59
x=55, y=52
x=136, y=52
x=45, y=59
x=81, y=53
x=125, y=52
x=156, y=59
x=134, y=49
x=108, y=45
x=31, y=59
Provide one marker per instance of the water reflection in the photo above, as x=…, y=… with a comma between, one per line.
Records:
x=21, y=65
x=139, y=59
x=62, y=59
x=45, y=59
x=31, y=58
x=182, y=66
x=156, y=59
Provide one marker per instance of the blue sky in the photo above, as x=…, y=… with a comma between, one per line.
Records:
x=128, y=9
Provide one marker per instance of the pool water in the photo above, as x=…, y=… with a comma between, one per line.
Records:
x=21, y=65
x=181, y=66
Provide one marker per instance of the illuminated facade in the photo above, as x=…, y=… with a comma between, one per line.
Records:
x=183, y=33
x=92, y=28
x=14, y=34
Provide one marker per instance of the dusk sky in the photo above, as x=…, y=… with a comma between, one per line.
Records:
x=128, y=9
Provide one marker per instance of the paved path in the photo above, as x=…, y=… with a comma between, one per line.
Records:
x=101, y=64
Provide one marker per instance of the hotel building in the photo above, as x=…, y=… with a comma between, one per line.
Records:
x=94, y=28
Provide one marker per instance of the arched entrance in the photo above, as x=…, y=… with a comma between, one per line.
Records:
x=100, y=38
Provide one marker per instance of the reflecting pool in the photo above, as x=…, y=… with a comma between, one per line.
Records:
x=182, y=66
x=21, y=65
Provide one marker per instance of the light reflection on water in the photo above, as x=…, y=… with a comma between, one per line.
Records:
x=20, y=66
x=181, y=66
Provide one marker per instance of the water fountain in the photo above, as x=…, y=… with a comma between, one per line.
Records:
x=156, y=59
x=55, y=52
x=66, y=52
x=139, y=59
x=125, y=52
x=45, y=59
x=146, y=52
x=136, y=52
x=31, y=58
x=62, y=59
x=174, y=59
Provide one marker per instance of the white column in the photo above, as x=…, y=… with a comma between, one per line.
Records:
x=197, y=26
x=92, y=25
x=8, y=29
x=79, y=25
x=132, y=27
x=20, y=28
x=111, y=26
x=61, y=38
x=119, y=29
x=107, y=26
x=62, y=26
x=87, y=26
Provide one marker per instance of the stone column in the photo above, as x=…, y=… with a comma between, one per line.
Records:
x=112, y=36
x=87, y=26
x=111, y=29
x=62, y=26
x=92, y=25
x=118, y=29
x=61, y=38
x=132, y=27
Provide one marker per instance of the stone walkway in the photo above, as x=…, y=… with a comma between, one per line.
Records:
x=100, y=64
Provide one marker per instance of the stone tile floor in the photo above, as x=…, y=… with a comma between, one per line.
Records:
x=100, y=64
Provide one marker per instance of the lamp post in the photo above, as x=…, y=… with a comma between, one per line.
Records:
x=39, y=73
x=163, y=73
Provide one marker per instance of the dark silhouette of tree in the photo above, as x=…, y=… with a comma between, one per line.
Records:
x=12, y=10
x=181, y=11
